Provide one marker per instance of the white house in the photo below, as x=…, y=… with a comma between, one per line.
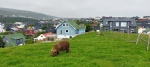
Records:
x=45, y=36
x=19, y=25
x=2, y=28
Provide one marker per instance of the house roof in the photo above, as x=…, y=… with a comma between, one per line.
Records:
x=14, y=36
x=142, y=18
x=50, y=29
x=82, y=26
x=48, y=34
x=143, y=21
x=73, y=24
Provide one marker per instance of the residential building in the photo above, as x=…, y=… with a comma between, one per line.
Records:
x=69, y=29
x=125, y=24
x=46, y=37
x=1, y=27
x=29, y=31
x=143, y=22
x=15, y=39
x=19, y=25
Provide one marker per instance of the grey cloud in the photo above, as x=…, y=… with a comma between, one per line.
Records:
x=81, y=8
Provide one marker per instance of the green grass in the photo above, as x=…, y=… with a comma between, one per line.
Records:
x=87, y=50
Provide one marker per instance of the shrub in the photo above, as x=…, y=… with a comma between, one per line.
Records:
x=2, y=43
x=29, y=41
x=6, y=33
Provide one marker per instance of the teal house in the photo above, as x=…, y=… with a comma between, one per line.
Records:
x=15, y=39
x=69, y=29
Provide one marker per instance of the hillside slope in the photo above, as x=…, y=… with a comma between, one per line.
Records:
x=87, y=50
x=9, y=12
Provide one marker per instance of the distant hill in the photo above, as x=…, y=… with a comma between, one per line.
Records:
x=22, y=13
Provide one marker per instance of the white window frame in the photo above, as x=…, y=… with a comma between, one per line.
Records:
x=117, y=24
x=123, y=24
x=110, y=24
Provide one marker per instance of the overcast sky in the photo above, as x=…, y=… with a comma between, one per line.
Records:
x=82, y=8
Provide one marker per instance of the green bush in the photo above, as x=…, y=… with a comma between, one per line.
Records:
x=6, y=33
x=2, y=43
x=29, y=41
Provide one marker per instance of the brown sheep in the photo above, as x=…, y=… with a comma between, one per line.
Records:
x=61, y=46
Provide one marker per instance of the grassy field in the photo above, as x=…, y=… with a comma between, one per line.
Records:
x=87, y=50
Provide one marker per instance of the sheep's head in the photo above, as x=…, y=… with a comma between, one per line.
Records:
x=53, y=52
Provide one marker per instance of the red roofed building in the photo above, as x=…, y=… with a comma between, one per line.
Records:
x=142, y=18
x=143, y=22
x=29, y=31
x=45, y=37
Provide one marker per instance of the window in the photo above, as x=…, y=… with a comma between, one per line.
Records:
x=67, y=31
x=110, y=24
x=66, y=24
x=7, y=41
x=132, y=30
x=123, y=30
x=117, y=24
x=61, y=32
x=123, y=24
x=63, y=24
x=18, y=41
x=41, y=36
x=131, y=22
x=106, y=22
